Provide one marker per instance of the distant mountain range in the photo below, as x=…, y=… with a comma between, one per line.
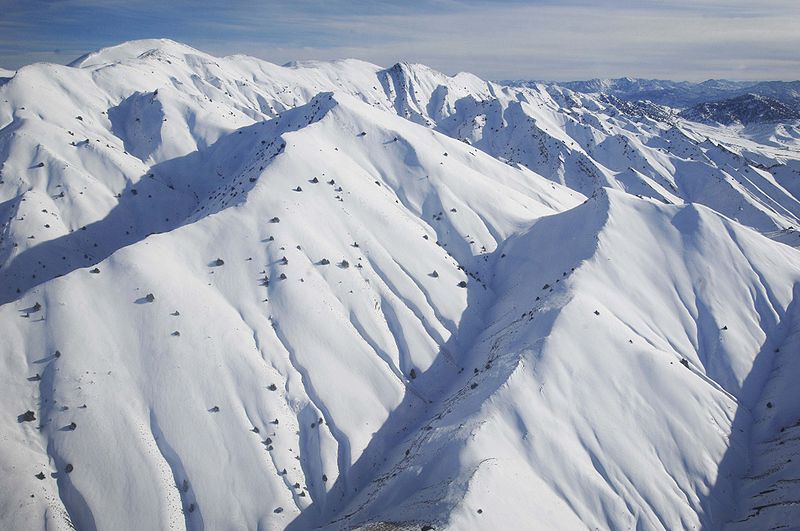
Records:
x=745, y=109
x=712, y=101
x=678, y=94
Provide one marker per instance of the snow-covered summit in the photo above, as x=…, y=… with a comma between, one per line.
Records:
x=130, y=50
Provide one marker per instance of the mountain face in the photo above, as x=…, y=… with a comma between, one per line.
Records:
x=334, y=295
x=747, y=109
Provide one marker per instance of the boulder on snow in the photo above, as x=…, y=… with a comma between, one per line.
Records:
x=28, y=416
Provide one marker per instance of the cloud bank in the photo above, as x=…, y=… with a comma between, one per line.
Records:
x=500, y=39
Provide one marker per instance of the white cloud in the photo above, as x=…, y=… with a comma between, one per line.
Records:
x=684, y=40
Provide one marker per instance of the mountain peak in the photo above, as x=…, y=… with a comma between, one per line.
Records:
x=132, y=50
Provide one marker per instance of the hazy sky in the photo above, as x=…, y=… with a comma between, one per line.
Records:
x=496, y=39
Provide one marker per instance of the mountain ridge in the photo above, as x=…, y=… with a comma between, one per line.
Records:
x=745, y=110
x=678, y=94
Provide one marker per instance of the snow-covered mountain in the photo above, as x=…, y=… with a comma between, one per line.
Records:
x=236, y=295
x=681, y=94
x=747, y=109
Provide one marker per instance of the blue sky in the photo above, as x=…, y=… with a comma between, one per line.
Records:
x=496, y=39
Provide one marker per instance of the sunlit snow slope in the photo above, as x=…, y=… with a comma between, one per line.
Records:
x=235, y=295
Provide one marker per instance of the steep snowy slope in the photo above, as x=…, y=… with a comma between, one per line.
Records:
x=768, y=494
x=373, y=221
x=241, y=295
x=615, y=385
x=589, y=142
